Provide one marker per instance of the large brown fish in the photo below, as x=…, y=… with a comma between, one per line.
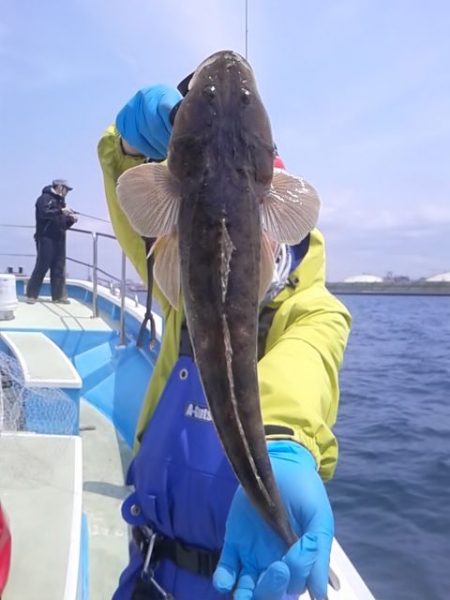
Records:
x=218, y=211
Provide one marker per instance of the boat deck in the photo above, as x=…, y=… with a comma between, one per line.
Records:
x=105, y=461
x=38, y=472
x=46, y=315
x=41, y=484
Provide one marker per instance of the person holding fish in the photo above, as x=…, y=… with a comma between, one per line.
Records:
x=235, y=435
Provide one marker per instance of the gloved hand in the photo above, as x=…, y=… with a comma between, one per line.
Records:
x=144, y=122
x=253, y=561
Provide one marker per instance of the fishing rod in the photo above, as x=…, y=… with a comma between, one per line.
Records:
x=76, y=212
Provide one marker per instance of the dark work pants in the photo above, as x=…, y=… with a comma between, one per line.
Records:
x=51, y=254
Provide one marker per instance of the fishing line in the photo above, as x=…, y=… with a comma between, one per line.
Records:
x=246, y=29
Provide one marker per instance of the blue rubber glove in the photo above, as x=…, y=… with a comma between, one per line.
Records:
x=144, y=122
x=253, y=561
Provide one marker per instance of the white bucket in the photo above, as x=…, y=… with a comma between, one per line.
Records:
x=8, y=297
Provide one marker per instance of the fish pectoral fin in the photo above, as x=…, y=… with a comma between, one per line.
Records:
x=290, y=208
x=166, y=269
x=267, y=266
x=150, y=198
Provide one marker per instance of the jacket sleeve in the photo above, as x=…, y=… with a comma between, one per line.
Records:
x=298, y=375
x=47, y=209
x=113, y=163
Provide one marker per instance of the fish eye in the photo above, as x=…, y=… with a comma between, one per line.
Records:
x=210, y=91
x=245, y=96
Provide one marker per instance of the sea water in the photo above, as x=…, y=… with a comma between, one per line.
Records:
x=391, y=489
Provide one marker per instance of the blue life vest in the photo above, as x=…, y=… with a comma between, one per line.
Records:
x=182, y=479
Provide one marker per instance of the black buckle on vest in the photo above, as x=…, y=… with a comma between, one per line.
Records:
x=190, y=558
x=202, y=562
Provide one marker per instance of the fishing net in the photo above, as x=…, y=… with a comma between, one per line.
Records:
x=39, y=410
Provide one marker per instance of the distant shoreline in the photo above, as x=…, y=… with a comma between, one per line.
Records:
x=391, y=288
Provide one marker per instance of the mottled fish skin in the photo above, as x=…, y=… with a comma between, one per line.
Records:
x=221, y=152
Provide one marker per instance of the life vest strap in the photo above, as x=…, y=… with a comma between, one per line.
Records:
x=190, y=558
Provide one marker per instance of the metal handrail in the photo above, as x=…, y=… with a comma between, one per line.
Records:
x=17, y=254
x=99, y=233
x=16, y=226
x=79, y=262
x=95, y=272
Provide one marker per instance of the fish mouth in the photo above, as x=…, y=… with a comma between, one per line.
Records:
x=230, y=58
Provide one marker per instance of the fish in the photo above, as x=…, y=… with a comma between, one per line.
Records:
x=219, y=211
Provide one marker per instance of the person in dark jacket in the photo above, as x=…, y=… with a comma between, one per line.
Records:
x=53, y=218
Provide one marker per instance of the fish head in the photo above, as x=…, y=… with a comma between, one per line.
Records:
x=222, y=108
x=219, y=178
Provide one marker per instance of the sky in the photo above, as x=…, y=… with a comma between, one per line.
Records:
x=357, y=91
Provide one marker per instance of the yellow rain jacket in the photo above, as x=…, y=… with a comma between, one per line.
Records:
x=298, y=375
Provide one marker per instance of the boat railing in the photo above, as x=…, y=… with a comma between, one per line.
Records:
x=117, y=285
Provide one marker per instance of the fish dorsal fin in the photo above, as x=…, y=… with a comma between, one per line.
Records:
x=150, y=198
x=290, y=208
x=167, y=267
x=267, y=266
